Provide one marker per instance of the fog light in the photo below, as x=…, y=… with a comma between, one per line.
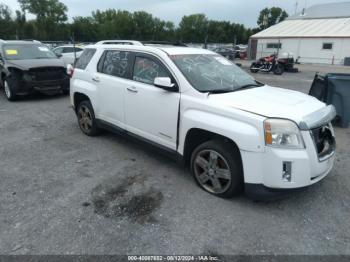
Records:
x=287, y=171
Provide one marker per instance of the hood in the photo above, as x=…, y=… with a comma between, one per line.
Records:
x=271, y=102
x=33, y=63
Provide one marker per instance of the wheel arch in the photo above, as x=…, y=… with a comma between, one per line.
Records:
x=197, y=136
x=78, y=98
x=2, y=77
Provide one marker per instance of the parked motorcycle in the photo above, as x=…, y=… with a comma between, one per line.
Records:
x=268, y=64
x=284, y=63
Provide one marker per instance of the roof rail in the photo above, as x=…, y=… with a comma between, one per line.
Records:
x=30, y=40
x=177, y=43
x=118, y=42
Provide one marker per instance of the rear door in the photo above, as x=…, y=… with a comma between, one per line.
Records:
x=112, y=80
x=151, y=112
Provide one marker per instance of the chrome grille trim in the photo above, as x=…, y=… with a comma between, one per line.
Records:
x=319, y=118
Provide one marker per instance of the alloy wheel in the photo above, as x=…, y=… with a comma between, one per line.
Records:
x=85, y=118
x=7, y=90
x=212, y=171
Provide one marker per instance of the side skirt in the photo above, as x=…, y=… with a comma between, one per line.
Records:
x=169, y=153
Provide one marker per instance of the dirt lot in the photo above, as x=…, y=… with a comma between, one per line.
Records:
x=65, y=193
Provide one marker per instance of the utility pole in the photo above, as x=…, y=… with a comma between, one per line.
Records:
x=296, y=7
x=75, y=53
x=265, y=21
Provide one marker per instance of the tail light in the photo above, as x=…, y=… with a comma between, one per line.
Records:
x=70, y=70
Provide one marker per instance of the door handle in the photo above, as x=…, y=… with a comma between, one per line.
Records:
x=95, y=79
x=132, y=89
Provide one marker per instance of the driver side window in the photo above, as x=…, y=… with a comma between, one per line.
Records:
x=146, y=70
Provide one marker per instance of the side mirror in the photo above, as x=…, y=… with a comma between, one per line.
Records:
x=59, y=55
x=165, y=83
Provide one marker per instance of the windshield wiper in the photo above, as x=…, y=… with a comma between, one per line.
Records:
x=250, y=86
x=220, y=91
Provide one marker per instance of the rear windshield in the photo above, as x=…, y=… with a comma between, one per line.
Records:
x=27, y=51
x=85, y=58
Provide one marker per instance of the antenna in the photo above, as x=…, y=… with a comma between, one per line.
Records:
x=296, y=7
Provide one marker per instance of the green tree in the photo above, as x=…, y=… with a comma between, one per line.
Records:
x=271, y=16
x=7, y=25
x=144, y=25
x=193, y=28
x=85, y=29
x=50, y=15
x=20, y=24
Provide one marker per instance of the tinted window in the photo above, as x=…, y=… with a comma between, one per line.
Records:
x=146, y=70
x=114, y=63
x=327, y=46
x=71, y=49
x=274, y=45
x=68, y=50
x=85, y=58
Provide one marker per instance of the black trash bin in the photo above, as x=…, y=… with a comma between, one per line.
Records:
x=334, y=89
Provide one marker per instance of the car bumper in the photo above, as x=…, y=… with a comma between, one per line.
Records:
x=265, y=170
x=26, y=87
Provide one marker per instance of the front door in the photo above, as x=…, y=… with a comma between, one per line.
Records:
x=150, y=111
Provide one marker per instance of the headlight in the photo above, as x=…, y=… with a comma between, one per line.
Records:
x=27, y=77
x=282, y=133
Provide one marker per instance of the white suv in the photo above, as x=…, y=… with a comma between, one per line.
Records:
x=233, y=132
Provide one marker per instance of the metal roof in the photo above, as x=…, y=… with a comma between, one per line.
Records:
x=326, y=20
x=308, y=28
x=331, y=10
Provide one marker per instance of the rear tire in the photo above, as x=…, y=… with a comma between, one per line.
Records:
x=9, y=91
x=217, y=168
x=86, y=119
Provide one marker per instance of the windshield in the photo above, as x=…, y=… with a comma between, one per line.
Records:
x=211, y=73
x=27, y=51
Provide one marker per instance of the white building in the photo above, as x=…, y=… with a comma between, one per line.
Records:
x=321, y=34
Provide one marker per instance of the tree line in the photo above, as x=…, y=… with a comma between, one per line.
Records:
x=51, y=24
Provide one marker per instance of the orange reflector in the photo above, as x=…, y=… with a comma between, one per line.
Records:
x=268, y=136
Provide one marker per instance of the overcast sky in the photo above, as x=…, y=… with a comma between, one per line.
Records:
x=238, y=11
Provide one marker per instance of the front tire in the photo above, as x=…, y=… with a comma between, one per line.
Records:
x=86, y=119
x=252, y=68
x=216, y=167
x=65, y=92
x=8, y=91
x=278, y=70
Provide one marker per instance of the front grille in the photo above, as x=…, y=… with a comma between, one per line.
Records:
x=47, y=73
x=324, y=141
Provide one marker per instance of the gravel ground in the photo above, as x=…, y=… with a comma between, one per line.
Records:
x=65, y=193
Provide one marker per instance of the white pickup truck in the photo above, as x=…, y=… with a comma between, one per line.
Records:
x=235, y=133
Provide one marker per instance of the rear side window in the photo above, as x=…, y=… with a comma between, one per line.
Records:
x=85, y=58
x=68, y=50
x=115, y=63
x=146, y=70
x=71, y=50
